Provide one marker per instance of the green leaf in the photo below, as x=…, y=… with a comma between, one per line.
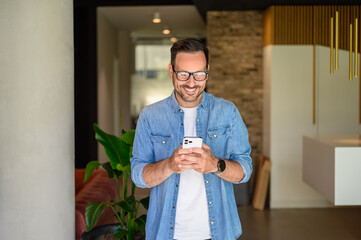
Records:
x=126, y=169
x=140, y=223
x=92, y=214
x=128, y=137
x=145, y=202
x=131, y=152
x=115, y=148
x=112, y=173
x=120, y=233
x=132, y=202
x=126, y=206
x=90, y=167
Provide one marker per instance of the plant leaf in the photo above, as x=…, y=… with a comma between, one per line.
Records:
x=131, y=152
x=126, y=169
x=132, y=202
x=115, y=148
x=126, y=206
x=90, y=167
x=140, y=223
x=128, y=137
x=92, y=214
x=120, y=233
x=112, y=173
x=145, y=202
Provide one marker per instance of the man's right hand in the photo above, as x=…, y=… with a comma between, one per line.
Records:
x=177, y=163
x=155, y=173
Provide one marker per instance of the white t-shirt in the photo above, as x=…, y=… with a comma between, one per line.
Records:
x=192, y=219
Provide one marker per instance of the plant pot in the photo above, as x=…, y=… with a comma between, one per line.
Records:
x=105, y=232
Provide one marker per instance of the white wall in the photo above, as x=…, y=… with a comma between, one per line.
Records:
x=107, y=54
x=114, y=51
x=36, y=120
x=124, y=53
x=338, y=97
x=288, y=76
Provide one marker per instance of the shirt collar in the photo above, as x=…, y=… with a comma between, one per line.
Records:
x=174, y=105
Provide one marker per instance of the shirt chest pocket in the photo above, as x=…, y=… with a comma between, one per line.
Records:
x=161, y=145
x=220, y=141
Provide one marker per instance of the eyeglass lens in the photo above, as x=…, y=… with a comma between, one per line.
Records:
x=184, y=76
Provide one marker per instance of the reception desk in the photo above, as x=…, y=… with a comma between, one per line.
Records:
x=332, y=166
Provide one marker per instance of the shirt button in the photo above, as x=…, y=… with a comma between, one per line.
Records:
x=212, y=222
x=197, y=119
x=176, y=185
x=181, y=110
x=163, y=142
x=181, y=124
x=173, y=207
x=210, y=202
x=214, y=135
x=171, y=227
x=207, y=181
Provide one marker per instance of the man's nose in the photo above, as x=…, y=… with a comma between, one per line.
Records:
x=191, y=81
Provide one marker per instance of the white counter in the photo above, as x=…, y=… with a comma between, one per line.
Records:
x=332, y=166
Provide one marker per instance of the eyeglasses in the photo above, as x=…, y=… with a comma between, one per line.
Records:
x=184, y=76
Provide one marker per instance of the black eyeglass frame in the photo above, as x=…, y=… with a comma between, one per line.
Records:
x=189, y=75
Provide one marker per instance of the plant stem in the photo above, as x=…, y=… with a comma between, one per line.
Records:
x=125, y=185
x=136, y=209
x=118, y=191
x=133, y=188
x=116, y=214
x=122, y=215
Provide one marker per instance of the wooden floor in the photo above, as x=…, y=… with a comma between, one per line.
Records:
x=301, y=224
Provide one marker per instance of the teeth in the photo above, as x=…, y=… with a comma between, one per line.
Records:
x=190, y=89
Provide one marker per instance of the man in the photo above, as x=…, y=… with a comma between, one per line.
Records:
x=192, y=193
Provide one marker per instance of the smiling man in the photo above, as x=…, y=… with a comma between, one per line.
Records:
x=191, y=189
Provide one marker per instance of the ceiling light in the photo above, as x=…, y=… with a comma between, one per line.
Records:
x=166, y=30
x=156, y=18
x=173, y=39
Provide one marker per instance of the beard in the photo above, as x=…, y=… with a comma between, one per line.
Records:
x=180, y=91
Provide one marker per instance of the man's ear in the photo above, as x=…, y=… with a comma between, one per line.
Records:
x=170, y=70
x=208, y=68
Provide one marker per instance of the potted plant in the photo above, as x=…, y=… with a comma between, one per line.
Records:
x=119, y=152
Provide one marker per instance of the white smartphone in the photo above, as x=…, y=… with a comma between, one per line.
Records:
x=192, y=142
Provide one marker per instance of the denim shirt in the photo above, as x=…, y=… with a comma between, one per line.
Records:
x=160, y=131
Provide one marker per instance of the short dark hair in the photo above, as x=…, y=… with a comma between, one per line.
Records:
x=189, y=45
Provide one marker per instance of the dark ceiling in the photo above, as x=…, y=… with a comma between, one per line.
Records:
x=235, y=5
x=215, y=5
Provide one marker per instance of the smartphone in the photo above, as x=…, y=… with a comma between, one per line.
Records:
x=192, y=142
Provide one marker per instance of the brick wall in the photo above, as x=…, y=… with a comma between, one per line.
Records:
x=235, y=41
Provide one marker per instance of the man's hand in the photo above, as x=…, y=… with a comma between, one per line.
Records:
x=178, y=163
x=200, y=159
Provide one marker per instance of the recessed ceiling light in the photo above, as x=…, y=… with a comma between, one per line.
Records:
x=166, y=30
x=156, y=17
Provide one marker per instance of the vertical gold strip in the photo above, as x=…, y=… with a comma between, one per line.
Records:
x=331, y=45
x=336, y=42
x=356, y=49
x=350, y=54
x=314, y=87
x=314, y=20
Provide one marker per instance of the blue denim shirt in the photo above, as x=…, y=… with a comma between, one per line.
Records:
x=160, y=131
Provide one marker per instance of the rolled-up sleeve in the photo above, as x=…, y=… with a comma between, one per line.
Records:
x=142, y=152
x=241, y=147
